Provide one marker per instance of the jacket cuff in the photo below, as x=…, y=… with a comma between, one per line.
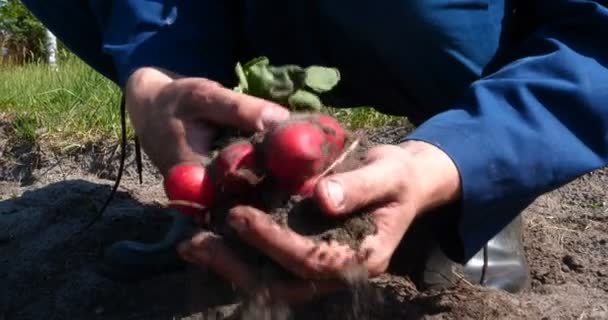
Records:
x=482, y=210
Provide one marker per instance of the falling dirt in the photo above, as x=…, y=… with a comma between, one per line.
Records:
x=48, y=269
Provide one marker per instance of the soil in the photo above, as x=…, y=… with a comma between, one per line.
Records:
x=48, y=266
x=254, y=185
x=256, y=188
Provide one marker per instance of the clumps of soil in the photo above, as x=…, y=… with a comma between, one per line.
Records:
x=301, y=213
x=304, y=217
x=298, y=212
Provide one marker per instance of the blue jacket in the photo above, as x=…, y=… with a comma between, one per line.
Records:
x=515, y=92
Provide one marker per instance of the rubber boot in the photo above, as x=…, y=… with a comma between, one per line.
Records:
x=131, y=261
x=500, y=264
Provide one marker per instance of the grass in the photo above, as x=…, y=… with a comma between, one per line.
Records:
x=364, y=117
x=77, y=105
x=71, y=104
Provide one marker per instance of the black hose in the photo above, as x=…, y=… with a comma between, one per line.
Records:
x=123, y=147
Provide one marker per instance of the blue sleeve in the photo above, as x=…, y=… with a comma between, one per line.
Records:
x=537, y=123
x=193, y=37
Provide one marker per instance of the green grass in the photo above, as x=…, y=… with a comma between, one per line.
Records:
x=71, y=104
x=364, y=117
x=77, y=105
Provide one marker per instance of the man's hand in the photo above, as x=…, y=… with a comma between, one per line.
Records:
x=176, y=118
x=396, y=183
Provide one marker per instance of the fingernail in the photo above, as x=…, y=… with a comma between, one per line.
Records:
x=335, y=193
x=272, y=115
x=238, y=224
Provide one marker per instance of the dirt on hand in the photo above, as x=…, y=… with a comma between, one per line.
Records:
x=48, y=269
x=251, y=183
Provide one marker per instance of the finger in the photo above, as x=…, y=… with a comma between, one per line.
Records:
x=377, y=249
x=300, y=255
x=226, y=107
x=378, y=253
x=207, y=250
x=379, y=180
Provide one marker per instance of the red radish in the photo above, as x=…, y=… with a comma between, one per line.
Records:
x=333, y=130
x=189, y=182
x=234, y=157
x=295, y=152
x=232, y=164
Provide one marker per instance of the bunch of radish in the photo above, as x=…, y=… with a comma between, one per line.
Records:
x=293, y=155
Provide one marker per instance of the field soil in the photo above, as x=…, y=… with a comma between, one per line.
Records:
x=48, y=266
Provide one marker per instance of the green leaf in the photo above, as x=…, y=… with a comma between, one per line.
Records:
x=256, y=61
x=305, y=100
x=289, y=84
x=267, y=82
x=321, y=79
x=282, y=86
x=243, y=83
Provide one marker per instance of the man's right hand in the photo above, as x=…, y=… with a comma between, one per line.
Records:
x=176, y=118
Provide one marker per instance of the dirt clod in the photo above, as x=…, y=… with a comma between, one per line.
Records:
x=573, y=263
x=295, y=211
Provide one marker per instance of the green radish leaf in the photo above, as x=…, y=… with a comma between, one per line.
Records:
x=260, y=80
x=282, y=86
x=270, y=82
x=321, y=79
x=243, y=72
x=285, y=84
x=287, y=79
x=296, y=73
x=243, y=83
x=256, y=61
x=305, y=100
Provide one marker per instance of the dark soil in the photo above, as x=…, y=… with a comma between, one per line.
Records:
x=304, y=217
x=301, y=214
x=256, y=187
x=48, y=268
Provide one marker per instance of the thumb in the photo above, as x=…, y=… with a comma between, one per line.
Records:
x=378, y=181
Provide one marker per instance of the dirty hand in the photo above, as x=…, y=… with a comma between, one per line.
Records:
x=176, y=118
x=396, y=183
